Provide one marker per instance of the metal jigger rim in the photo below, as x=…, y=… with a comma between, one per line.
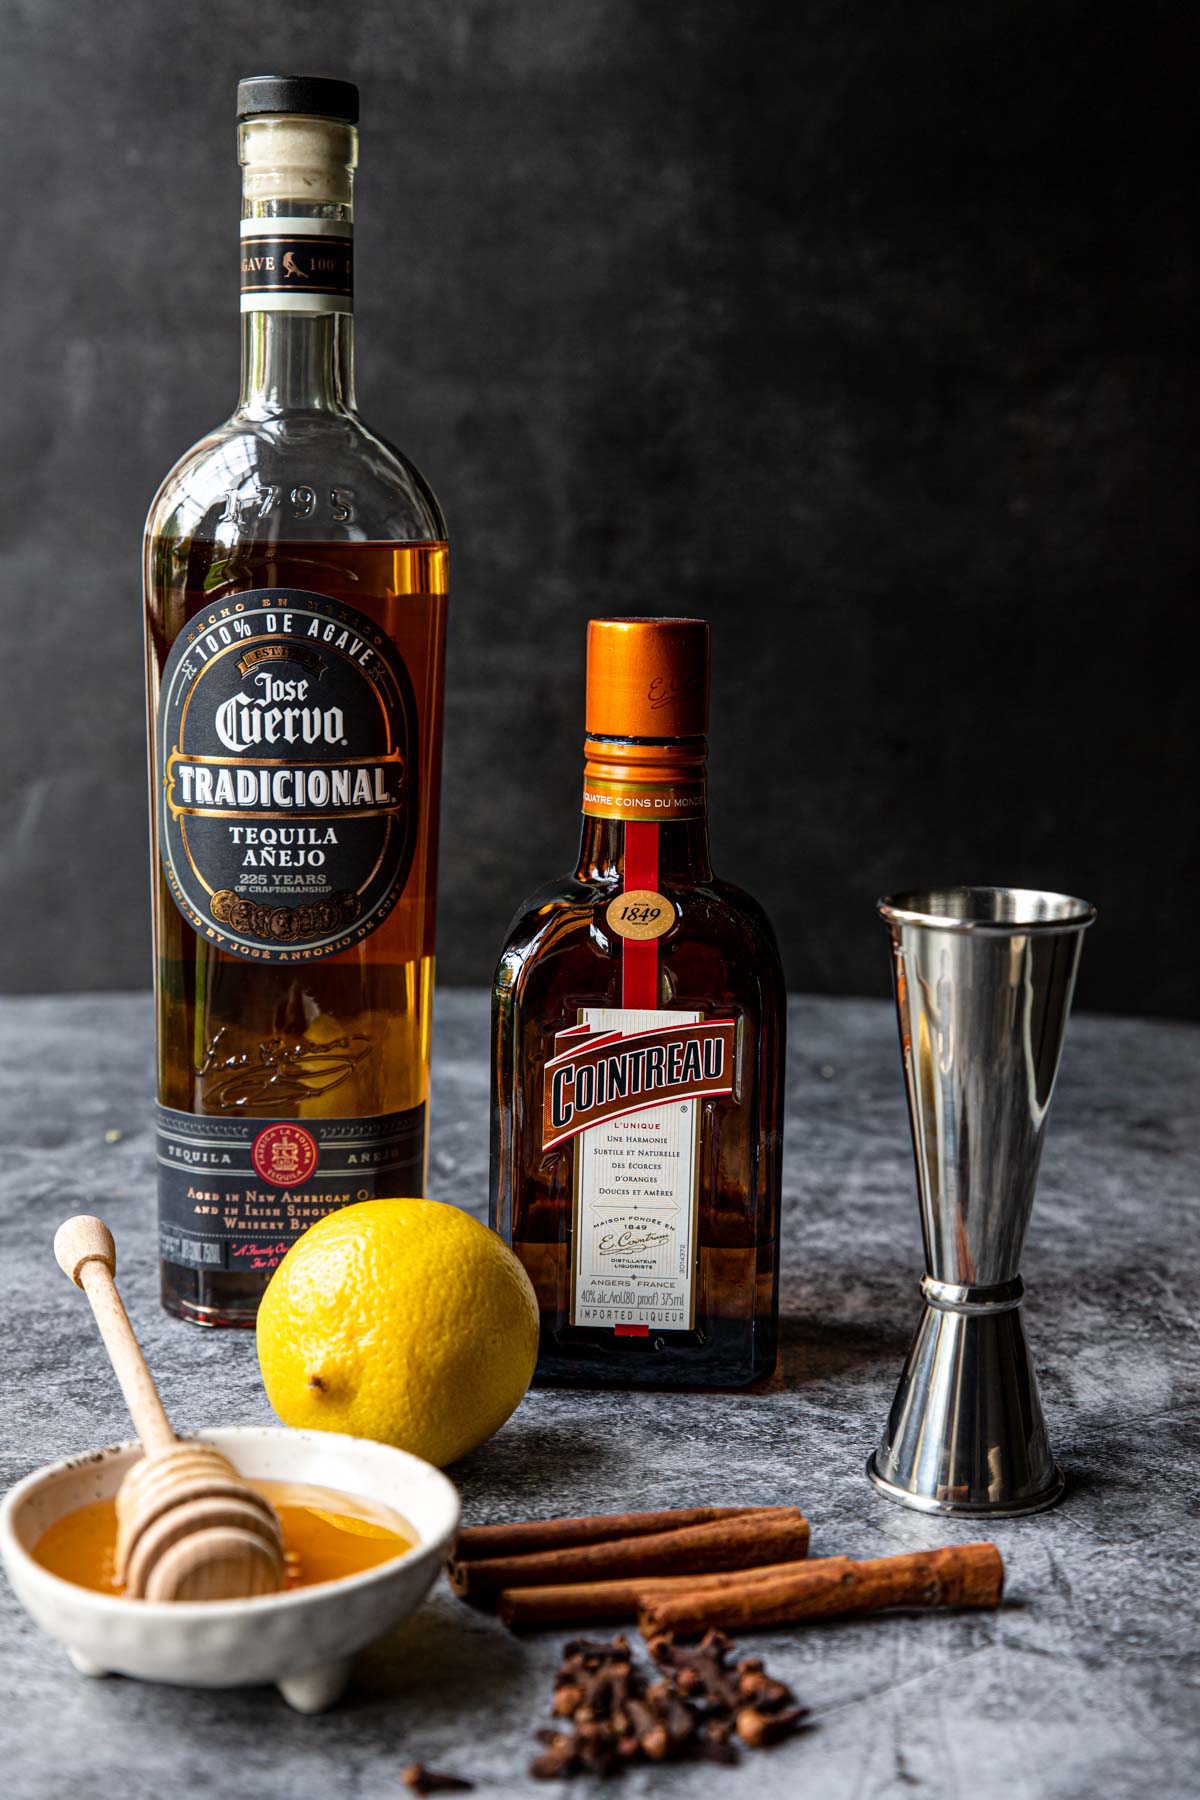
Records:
x=913, y=907
x=977, y=1509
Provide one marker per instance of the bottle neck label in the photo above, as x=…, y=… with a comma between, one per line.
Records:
x=652, y=780
x=657, y=802
x=302, y=265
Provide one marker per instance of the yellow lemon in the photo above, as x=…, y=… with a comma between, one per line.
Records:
x=402, y=1320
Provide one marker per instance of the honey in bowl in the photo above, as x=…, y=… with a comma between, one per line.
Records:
x=326, y=1535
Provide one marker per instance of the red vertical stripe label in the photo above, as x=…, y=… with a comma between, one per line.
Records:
x=639, y=957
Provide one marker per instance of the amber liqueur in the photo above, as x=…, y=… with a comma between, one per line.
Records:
x=638, y=1040
x=295, y=591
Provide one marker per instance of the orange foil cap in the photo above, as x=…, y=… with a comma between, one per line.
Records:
x=647, y=678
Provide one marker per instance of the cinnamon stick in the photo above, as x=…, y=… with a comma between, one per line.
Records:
x=773, y=1534
x=964, y=1575
x=597, y=1602
x=530, y=1536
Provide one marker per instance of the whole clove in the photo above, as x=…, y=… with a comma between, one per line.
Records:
x=714, y=1742
x=560, y=1756
x=690, y=1703
x=429, y=1781
x=757, y=1728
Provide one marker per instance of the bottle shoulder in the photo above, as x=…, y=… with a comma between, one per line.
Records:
x=562, y=904
x=743, y=905
x=317, y=474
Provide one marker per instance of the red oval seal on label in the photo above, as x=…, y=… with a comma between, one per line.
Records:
x=284, y=1154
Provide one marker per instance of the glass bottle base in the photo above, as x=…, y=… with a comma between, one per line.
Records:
x=724, y=1353
x=216, y=1300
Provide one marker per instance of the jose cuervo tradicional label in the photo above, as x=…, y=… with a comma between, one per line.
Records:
x=287, y=733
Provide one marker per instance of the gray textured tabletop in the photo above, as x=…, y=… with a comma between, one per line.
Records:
x=1086, y=1682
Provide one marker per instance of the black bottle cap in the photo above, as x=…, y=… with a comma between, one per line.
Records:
x=313, y=95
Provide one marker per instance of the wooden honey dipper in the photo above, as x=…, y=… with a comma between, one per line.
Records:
x=189, y=1527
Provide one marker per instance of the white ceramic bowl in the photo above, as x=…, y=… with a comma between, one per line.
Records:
x=303, y=1640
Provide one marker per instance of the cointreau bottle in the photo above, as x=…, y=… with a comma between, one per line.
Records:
x=638, y=1042
x=295, y=579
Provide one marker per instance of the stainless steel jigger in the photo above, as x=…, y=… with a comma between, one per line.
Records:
x=983, y=978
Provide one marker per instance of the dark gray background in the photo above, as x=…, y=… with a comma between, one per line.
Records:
x=866, y=330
